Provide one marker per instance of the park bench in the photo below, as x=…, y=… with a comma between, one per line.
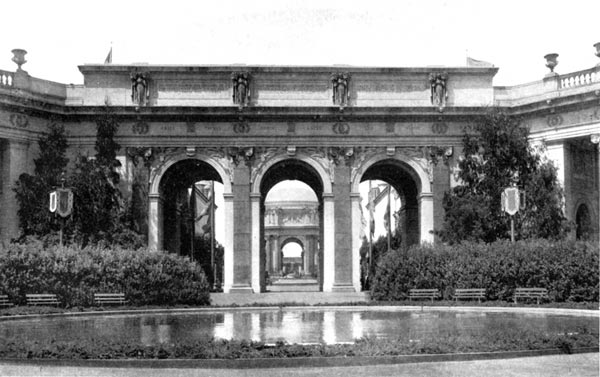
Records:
x=424, y=293
x=109, y=298
x=42, y=299
x=466, y=293
x=4, y=301
x=533, y=293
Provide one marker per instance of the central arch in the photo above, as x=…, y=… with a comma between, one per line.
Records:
x=304, y=169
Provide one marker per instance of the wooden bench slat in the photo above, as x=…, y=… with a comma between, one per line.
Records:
x=41, y=299
x=109, y=298
x=536, y=293
x=423, y=293
x=5, y=302
x=478, y=293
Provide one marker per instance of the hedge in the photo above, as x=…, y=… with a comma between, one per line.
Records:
x=568, y=269
x=74, y=274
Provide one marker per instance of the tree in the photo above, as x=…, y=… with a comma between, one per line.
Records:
x=497, y=154
x=99, y=214
x=32, y=190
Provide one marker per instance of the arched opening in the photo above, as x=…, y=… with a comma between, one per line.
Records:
x=583, y=223
x=191, y=193
x=291, y=213
x=390, y=208
x=292, y=251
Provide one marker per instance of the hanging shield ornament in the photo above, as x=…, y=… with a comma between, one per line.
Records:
x=511, y=200
x=53, y=203
x=65, y=202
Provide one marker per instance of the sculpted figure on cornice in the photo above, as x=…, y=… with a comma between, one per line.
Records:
x=439, y=94
x=241, y=88
x=140, y=92
x=341, y=89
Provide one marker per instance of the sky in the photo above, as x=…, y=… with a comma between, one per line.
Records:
x=514, y=35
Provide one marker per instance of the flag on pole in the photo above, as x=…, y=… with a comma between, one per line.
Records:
x=203, y=208
x=108, y=59
x=373, y=193
x=477, y=63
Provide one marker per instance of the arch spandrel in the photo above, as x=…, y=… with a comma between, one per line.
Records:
x=215, y=158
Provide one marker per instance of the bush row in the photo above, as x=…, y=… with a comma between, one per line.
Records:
x=74, y=274
x=568, y=269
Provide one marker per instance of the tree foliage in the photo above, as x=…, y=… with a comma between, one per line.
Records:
x=497, y=154
x=32, y=190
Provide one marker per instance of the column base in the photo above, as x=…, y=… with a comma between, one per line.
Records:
x=241, y=288
x=343, y=287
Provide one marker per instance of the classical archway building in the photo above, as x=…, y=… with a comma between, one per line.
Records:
x=331, y=127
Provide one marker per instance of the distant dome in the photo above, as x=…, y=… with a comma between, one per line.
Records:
x=291, y=191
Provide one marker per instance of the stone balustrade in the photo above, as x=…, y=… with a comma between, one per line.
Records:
x=6, y=78
x=579, y=78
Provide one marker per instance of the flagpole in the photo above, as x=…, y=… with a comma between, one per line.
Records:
x=370, y=233
x=192, y=219
x=212, y=233
x=389, y=218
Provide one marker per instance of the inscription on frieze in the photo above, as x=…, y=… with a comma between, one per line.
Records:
x=193, y=85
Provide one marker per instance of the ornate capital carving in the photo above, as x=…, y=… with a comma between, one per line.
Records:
x=140, y=154
x=241, y=88
x=341, y=89
x=439, y=94
x=341, y=154
x=140, y=91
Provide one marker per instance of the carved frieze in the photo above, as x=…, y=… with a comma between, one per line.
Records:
x=361, y=155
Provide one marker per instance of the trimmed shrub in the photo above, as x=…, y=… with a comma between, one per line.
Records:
x=568, y=269
x=74, y=274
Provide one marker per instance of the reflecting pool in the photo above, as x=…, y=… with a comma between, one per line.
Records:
x=290, y=325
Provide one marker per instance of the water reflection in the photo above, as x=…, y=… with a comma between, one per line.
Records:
x=292, y=326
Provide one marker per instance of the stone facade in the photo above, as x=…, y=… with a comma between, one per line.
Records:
x=249, y=129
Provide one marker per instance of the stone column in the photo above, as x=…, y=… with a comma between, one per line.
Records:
x=328, y=246
x=228, y=244
x=356, y=240
x=155, y=222
x=257, y=270
x=268, y=256
x=426, y=217
x=309, y=255
x=441, y=184
x=276, y=256
x=595, y=139
x=14, y=163
x=242, y=231
x=343, y=230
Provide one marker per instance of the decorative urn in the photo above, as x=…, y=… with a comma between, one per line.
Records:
x=19, y=57
x=597, y=45
x=551, y=61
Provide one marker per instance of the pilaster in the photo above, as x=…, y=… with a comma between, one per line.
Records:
x=242, y=232
x=343, y=230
